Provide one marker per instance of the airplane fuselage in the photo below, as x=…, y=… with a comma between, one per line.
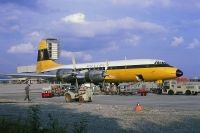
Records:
x=129, y=70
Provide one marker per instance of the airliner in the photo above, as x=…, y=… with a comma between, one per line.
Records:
x=108, y=71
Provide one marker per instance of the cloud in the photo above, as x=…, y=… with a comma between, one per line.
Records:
x=127, y=23
x=109, y=26
x=77, y=18
x=22, y=3
x=177, y=41
x=112, y=46
x=34, y=34
x=131, y=23
x=24, y=48
x=80, y=55
x=133, y=40
x=20, y=19
x=142, y=3
x=15, y=28
x=195, y=43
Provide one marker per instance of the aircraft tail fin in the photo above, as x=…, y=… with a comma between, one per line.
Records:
x=44, y=59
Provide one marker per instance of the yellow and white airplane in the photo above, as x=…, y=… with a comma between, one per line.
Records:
x=108, y=71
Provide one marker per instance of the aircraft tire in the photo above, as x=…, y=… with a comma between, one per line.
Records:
x=81, y=99
x=68, y=98
x=90, y=99
x=170, y=92
x=187, y=92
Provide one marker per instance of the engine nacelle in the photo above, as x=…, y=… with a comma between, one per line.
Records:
x=68, y=75
x=95, y=75
x=65, y=74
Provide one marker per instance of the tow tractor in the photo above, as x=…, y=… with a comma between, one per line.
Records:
x=82, y=94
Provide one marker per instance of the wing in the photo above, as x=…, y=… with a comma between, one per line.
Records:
x=30, y=75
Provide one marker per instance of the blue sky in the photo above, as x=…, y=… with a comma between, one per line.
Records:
x=102, y=30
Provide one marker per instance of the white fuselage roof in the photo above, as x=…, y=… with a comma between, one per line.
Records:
x=108, y=64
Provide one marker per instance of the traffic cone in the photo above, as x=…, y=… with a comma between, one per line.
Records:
x=138, y=108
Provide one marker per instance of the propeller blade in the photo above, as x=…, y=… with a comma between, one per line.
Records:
x=74, y=67
x=74, y=63
x=76, y=83
x=106, y=67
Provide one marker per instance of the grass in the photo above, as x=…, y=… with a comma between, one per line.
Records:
x=33, y=124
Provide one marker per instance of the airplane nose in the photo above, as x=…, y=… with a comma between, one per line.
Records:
x=179, y=73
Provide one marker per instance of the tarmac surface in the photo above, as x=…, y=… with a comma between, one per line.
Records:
x=107, y=113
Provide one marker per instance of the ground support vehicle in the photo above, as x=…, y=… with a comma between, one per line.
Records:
x=46, y=92
x=55, y=90
x=172, y=87
x=142, y=91
x=197, y=83
x=59, y=89
x=109, y=89
x=82, y=94
x=127, y=89
x=97, y=90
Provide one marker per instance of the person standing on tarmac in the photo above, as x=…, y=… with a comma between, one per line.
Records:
x=27, y=91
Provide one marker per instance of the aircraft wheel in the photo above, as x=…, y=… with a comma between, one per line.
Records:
x=90, y=99
x=68, y=98
x=81, y=99
x=170, y=92
x=188, y=92
x=196, y=93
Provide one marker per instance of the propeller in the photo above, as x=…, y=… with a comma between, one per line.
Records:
x=74, y=69
x=106, y=68
x=105, y=74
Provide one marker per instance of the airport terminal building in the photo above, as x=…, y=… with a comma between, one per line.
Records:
x=26, y=69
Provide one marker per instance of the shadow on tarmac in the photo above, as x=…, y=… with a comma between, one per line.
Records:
x=97, y=123
x=64, y=116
